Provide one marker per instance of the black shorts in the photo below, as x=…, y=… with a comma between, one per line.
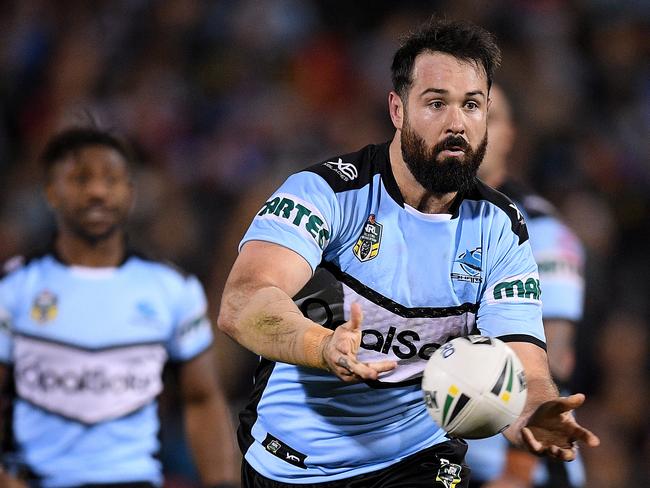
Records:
x=440, y=466
x=558, y=477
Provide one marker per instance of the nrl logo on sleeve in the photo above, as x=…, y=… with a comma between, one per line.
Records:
x=303, y=215
x=347, y=171
x=367, y=247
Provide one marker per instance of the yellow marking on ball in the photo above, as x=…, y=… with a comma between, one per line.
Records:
x=505, y=396
x=453, y=390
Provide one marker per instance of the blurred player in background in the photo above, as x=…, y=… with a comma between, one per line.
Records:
x=86, y=328
x=405, y=232
x=560, y=259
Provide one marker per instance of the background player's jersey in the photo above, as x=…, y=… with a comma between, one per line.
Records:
x=421, y=280
x=560, y=258
x=87, y=347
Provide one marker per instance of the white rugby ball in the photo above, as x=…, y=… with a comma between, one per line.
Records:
x=474, y=387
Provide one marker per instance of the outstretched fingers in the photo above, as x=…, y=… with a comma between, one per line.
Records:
x=348, y=340
x=553, y=451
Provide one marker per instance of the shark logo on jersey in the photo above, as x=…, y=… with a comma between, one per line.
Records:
x=347, y=171
x=449, y=473
x=367, y=247
x=470, y=264
x=44, y=307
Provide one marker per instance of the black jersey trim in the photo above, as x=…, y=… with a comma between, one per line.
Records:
x=350, y=171
x=8, y=392
x=392, y=306
x=248, y=415
x=383, y=385
x=390, y=183
x=369, y=161
x=523, y=338
x=86, y=348
x=523, y=196
x=481, y=191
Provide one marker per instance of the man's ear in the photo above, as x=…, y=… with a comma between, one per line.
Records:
x=396, y=110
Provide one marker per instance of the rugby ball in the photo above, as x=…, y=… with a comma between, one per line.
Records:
x=474, y=387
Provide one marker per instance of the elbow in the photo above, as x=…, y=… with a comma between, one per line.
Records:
x=226, y=323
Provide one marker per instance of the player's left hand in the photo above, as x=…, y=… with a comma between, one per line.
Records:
x=553, y=431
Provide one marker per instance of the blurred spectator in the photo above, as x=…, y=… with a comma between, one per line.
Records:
x=219, y=94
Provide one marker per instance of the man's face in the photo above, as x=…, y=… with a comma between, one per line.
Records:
x=91, y=192
x=444, y=133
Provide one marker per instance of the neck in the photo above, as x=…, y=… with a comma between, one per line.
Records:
x=413, y=193
x=494, y=178
x=73, y=250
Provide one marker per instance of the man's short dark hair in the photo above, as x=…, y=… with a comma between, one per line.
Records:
x=461, y=39
x=76, y=138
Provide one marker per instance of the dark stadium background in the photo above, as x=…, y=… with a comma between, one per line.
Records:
x=224, y=98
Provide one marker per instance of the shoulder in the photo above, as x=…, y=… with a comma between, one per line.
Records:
x=164, y=271
x=533, y=204
x=19, y=264
x=352, y=171
x=504, y=205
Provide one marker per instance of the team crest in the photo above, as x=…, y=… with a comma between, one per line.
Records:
x=470, y=265
x=44, y=307
x=367, y=247
x=448, y=474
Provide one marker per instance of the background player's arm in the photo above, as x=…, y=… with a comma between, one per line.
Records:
x=546, y=426
x=560, y=336
x=520, y=465
x=258, y=312
x=6, y=481
x=208, y=422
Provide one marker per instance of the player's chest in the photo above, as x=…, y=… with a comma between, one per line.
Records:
x=435, y=260
x=92, y=313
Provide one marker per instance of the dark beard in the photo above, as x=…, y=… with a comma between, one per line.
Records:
x=446, y=176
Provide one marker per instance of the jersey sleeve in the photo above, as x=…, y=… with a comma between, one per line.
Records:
x=301, y=215
x=193, y=331
x=560, y=258
x=510, y=307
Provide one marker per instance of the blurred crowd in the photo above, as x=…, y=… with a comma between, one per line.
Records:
x=222, y=99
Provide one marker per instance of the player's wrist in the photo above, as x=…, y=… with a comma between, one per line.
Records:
x=315, y=340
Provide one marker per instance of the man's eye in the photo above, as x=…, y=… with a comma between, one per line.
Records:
x=472, y=105
x=436, y=104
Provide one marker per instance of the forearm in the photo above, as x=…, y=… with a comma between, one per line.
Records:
x=268, y=322
x=212, y=441
x=541, y=388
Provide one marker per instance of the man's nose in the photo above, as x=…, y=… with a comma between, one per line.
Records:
x=97, y=188
x=455, y=123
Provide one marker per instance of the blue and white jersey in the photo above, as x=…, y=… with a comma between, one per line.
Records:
x=420, y=279
x=87, y=347
x=560, y=258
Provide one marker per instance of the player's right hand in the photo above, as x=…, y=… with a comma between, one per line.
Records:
x=340, y=351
